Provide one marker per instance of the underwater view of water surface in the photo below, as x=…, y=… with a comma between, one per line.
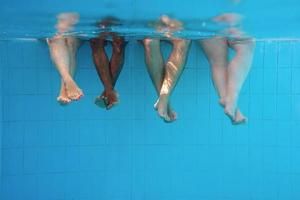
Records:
x=150, y=100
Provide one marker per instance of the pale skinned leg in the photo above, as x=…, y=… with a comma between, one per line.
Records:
x=216, y=50
x=60, y=56
x=63, y=96
x=238, y=70
x=72, y=45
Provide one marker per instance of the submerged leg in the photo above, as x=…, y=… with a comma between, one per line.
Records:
x=63, y=98
x=117, y=58
x=238, y=69
x=108, y=97
x=155, y=67
x=60, y=56
x=73, y=46
x=216, y=51
x=173, y=70
x=115, y=67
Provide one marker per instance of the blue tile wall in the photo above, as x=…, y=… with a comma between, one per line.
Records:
x=2, y=63
x=82, y=152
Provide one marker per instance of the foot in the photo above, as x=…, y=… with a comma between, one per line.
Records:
x=63, y=98
x=162, y=106
x=101, y=101
x=239, y=118
x=172, y=114
x=230, y=107
x=112, y=99
x=73, y=91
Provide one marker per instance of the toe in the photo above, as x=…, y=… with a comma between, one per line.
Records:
x=241, y=121
x=174, y=115
x=240, y=118
x=63, y=101
x=109, y=106
x=167, y=118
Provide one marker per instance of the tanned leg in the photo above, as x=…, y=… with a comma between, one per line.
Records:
x=173, y=70
x=156, y=69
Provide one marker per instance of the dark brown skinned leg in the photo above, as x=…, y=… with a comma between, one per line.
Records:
x=101, y=62
x=117, y=58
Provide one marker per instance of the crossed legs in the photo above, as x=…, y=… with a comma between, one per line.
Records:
x=229, y=76
x=108, y=71
x=63, y=52
x=165, y=76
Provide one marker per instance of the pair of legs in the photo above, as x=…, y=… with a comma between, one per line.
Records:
x=164, y=76
x=63, y=52
x=108, y=70
x=229, y=75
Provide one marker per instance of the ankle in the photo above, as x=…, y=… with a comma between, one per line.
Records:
x=164, y=97
x=108, y=90
x=68, y=79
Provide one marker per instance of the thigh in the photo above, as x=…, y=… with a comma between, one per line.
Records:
x=216, y=49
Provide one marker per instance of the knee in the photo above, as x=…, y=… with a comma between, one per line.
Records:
x=245, y=47
x=150, y=42
x=118, y=45
x=251, y=44
x=97, y=43
x=181, y=45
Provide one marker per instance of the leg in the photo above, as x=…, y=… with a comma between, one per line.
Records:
x=73, y=46
x=154, y=61
x=238, y=69
x=63, y=98
x=216, y=51
x=117, y=58
x=115, y=67
x=102, y=66
x=60, y=56
x=173, y=70
x=155, y=67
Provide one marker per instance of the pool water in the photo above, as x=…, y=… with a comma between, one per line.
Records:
x=83, y=152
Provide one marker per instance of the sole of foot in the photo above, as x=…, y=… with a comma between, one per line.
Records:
x=101, y=101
